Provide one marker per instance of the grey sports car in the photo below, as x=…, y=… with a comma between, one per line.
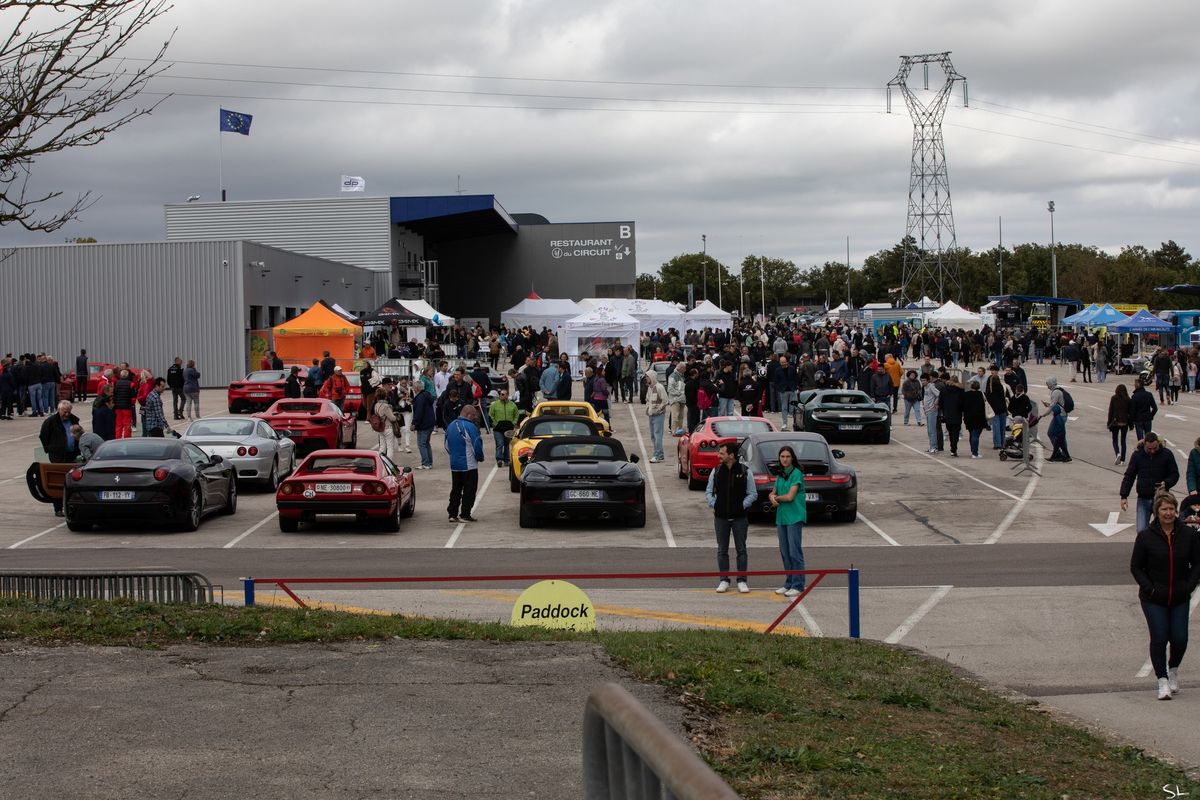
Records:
x=256, y=451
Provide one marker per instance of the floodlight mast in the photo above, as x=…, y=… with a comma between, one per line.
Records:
x=930, y=247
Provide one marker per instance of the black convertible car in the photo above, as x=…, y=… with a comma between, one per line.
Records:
x=845, y=413
x=830, y=486
x=161, y=480
x=582, y=477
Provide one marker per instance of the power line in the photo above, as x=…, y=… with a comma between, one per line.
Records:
x=1089, y=124
x=1074, y=146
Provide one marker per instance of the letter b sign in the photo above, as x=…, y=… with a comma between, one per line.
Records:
x=626, y=231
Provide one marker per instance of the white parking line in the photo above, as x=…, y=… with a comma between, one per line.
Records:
x=1182, y=454
x=662, y=515
x=1007, y=522
x=13, y=478
x=19, y=438
x=959, y=471
x=458, y=529
x=1145, y=670
x=878, y=530
x=56, y=527
x=810, y=624
x=251, y=530
x=895, y=636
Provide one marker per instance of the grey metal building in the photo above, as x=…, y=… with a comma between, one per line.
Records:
x=148, y=302
x=465, y=255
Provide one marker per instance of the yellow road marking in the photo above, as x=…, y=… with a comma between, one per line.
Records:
x=284, y=600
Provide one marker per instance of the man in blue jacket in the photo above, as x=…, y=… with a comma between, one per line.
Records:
x=423, y=422
x=465, y=447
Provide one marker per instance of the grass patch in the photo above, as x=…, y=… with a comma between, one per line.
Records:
x=777, y=716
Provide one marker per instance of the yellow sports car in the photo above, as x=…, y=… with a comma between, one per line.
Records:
x=575, y=408
x=536, y=428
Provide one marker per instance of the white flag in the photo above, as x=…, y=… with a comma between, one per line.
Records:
x=352, y=183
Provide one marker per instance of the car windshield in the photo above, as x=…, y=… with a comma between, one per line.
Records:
x=221, y=427
x=573, y=411
x=359, y=464
x=846, y=399
x=805, y=451
x=740, y=428
x=559, y=427
x=354, y=379
x=265, y=376
x=587, y=450
x=311, y=407
x=137, y=450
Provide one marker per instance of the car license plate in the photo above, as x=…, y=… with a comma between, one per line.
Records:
x=812, y=497
x=583, y=494
x=849, y=427
x=117, y=495
x=260, y=394
x=333, y=488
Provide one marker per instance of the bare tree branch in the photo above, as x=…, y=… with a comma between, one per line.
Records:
x=63, y=84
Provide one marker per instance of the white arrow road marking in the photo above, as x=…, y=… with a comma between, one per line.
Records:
x=1072, y=418
x=1112, y=526
x=918, y=615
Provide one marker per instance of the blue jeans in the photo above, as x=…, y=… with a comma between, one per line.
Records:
x=791, y=550
x=1140, y=429
x=423, y=447
x=1101, y=372
x=973, y=437
x=725, y=407
x=998, y=426
x=1145, y=512
x=914, y=407
x=737, y=526
x=1039, y=354
x=35, y=397
x=931, y=425
x=501, y=446
x=1168, y=625
x=785, y=406
x=49, y=397
x=656, y=434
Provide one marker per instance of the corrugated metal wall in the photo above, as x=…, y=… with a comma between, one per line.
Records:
x=351, y=230
x=292, y=280
x=143, y=303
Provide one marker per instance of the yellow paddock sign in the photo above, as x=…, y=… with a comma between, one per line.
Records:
x=555, y=604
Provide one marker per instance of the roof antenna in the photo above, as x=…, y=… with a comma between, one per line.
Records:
x=459, y=190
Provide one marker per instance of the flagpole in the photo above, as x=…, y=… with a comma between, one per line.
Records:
x=220, y=157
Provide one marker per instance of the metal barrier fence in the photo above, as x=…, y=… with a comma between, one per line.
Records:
x=285, y=584
x=151, y=587
x=629, y=754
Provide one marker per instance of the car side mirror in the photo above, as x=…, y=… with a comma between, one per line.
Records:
x=633, y=458
x=215, y=459
x=838, y=453
x=407, y=470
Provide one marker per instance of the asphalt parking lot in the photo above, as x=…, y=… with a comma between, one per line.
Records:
x=1042, y=634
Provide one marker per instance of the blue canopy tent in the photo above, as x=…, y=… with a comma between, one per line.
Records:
x=1106, y=316
x=1081, y=317
x=1142, y=322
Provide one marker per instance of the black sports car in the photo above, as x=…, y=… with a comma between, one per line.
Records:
x=582, y=477
x=843, y=412
x=163, y=480
x=830, y=486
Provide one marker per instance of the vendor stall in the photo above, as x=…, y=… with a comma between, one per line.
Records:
x=952, y=315
x=651, y=315
x=537, y=313
x=593, y=330
x=319, y=329
x=708, y=315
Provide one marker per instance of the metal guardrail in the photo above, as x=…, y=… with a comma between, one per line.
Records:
x=629, y=754
x=150, y=587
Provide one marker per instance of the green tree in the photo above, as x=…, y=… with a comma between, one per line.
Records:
x=647, y=286
x=691, y=268
x=777, y=279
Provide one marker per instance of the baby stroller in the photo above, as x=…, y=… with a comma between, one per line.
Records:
x=1014, y=437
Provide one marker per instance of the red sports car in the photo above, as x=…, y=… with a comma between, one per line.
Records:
x=312, y=424
x=95, y=370
x=354, y=396
x=697, y=451
x=258, y=390
x=362, y=483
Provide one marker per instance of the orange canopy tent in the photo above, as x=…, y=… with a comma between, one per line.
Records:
x=308, y=336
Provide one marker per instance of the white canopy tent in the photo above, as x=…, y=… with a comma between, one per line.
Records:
x=708, y=315
x=833, y=312
x=650, y=314
x=540, y=313
x=423, y=309
x=598, y=328
x=952, y=315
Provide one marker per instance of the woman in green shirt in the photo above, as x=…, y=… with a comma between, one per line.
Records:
x=788, y=498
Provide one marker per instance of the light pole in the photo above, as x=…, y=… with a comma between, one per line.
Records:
x=762, y=284
x=1053, y=254
x=704, y=262
x=848, y=272
x=720, y=277
x=1001, y=251
x=741, y=295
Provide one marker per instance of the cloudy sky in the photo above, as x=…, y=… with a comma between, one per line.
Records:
x=759, y=124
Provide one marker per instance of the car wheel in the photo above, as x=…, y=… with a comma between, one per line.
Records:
x=843, y=515
x=288, y=525
x=231, y=497
x=527, y=518
x=637, y=520
x=410, y=507
x=78, y=527
x=885, y=437
x=392, y=523
x=235, y=407
x=195, y=510
x=695, y=484
x=514, y=485
x=273, y=479
x=682, y=474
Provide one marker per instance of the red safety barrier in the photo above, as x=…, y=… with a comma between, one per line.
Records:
x=851, y=574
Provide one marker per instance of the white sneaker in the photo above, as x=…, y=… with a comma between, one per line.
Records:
x=1164, y=689
x=743, y=588
x=655, y=460
x=723, y=587
x=781, y=590
x=1173, y=680
x=792, y=593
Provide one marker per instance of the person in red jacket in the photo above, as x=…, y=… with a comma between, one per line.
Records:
x=336, y=388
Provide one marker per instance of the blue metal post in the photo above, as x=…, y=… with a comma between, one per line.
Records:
x=852, y=586
x=248, y=590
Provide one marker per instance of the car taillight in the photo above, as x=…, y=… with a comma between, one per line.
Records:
x=253, y=451
x=524, y=451
x=287, y=488
x=161, y=474
x=762, y=479
x=241, y=451
x=235, y=386
x=374, y=487
x=840, y=477
x=76, y=474
x=708, y=444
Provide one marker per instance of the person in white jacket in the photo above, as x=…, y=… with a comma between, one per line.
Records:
x=656, y=411
x=677, y=400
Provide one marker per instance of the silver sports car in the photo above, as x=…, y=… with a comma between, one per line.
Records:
x=257, y=452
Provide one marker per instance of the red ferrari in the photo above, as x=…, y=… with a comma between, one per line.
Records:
x=312, y=424
x=95, y=370
x=354, y=395
x=697, y=451
x=362, y=483
x=258, y=390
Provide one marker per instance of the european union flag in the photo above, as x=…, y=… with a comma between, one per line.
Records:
x=234, y=122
